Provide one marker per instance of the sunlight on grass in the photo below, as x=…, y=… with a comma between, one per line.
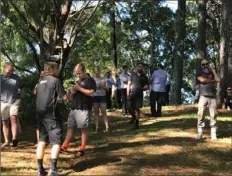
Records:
x=162, y=146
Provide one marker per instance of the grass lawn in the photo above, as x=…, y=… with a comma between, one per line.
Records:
x=162, y=146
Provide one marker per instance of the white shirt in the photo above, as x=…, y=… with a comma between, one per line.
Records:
x=158, y=80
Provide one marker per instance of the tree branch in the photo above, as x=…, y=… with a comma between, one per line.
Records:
x=17, y=67
x=23, y=17
x=83, y=24
x=35, y=55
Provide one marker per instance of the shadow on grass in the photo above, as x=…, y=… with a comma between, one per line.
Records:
x=123, y=129
x=132, y=165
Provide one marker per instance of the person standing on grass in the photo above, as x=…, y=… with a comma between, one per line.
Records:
x=137, y=83
x=118, y=92
x=124, y=77
x=10, y=101
x=99, y=102
x=167, y=89
x=157, y=95
x=228, y=98
x=82, y=99
x=36, y=121
x=207, y=89
x=48, y=92
x=110, y=82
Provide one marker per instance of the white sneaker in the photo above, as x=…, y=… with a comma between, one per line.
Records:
x=214, y=137
x=214, y=133
x=200, y=133
x=199, y=137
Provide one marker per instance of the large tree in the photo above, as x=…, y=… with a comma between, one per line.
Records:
x=49, y=28
x=179, y=53
x=201, y=38
x=225, y=47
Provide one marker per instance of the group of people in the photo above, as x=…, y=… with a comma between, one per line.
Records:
x=91, y=94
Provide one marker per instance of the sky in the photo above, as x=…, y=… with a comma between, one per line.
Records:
x=172, y=4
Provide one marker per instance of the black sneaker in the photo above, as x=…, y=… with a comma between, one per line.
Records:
x=136, y=126
x=41, y=172
x=132, y=120
x=15, y=143
x=54, y=173
x=82, y=153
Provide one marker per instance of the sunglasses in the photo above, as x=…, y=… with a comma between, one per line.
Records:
x=204, y=64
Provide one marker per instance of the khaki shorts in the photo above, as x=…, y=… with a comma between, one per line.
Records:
x=8, y=110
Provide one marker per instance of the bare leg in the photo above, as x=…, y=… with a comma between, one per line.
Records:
x=55, y=151
x=14, y=126
x=5, y=125
x=96, y=115
x=40, y=150
x=105, y=117
x=84, y=138
x=37, y=135
x=68, y=138
x=137, y=112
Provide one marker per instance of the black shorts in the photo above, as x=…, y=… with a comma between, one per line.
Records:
x=135, y=102
x=50, y=130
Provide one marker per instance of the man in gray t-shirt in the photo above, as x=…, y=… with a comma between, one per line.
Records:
x=11, y=93
x=207, y=81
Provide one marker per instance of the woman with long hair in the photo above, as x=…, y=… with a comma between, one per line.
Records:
x=99, y=102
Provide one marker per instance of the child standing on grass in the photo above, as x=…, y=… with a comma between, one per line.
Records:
x=48, y=92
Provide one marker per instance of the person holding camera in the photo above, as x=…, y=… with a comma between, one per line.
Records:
x=207, y=79
x=81, y=108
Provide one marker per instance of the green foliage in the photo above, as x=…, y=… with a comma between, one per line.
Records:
x=138, y=25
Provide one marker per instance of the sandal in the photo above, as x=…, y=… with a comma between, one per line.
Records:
x=5, y=146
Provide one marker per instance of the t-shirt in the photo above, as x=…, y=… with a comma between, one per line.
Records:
x=48, y=91
x=124, y=77
x=110, y=81
x=158, y=80
x=100, y=82
x=207, y=89
x=137, y=83
x=10, y=88
x=80, y=100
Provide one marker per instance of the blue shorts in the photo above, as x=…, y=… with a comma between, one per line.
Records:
x=99, y=100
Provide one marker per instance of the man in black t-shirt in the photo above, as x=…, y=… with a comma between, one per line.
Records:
x=48, y=91
x=82, y=98
x=207, y=90
x=137, y=83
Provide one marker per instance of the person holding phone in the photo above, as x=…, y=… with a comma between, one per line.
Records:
x=207, y=79
x=81, y=108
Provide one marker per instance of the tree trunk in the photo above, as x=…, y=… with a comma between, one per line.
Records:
x=201, y=39
x=229, y=37
x=179, y=53
x=113, y=40
x=153, y=62
x=225, y=50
